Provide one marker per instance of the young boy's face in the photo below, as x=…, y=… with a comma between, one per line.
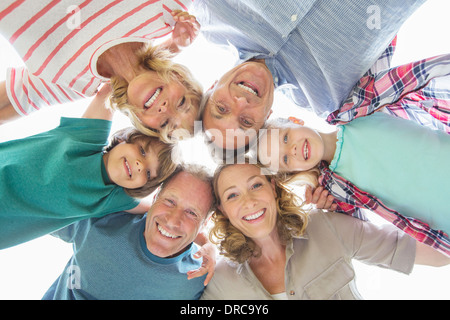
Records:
x=131, y=165
x=161, y=104
x=295, y=148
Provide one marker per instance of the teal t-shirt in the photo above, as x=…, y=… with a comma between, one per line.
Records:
x=111, y=261
x=403, y=164
x=55, y=178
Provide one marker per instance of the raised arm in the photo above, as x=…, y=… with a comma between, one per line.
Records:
x=98, y=109
x=184, y=33
x=7, y=111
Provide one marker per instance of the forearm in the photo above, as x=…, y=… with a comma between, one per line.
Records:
x=141, y=208
x=7, y=111
x=426, y=255
x=170, y=45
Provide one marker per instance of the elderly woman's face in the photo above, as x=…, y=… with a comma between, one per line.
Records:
x=247, y=199
x=161, y=104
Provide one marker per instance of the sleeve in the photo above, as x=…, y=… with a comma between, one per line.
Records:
x=374, y=91
x=28, y=93
x=74, y=232
x=94, y=131
x=381, y=245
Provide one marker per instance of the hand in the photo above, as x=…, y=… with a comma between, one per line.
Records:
x=186, y=28
x=208, y=253
x=320, y=198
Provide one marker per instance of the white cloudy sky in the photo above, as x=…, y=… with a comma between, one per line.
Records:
x=28, y=270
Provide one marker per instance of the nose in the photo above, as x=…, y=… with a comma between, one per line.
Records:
x=174, y=217
x=138, y=165
x=250, y=202
x=293, y=150
x=163, y=107
x=240, y=102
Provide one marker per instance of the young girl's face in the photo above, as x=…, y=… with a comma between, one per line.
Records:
x=131, y=165
x=161, y=104
x=294, y=148
x=247, y=199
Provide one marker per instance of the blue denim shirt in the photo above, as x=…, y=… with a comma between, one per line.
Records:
x=316, y=50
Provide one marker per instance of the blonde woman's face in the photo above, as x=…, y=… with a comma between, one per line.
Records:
x=161, y=104
x=247, y=199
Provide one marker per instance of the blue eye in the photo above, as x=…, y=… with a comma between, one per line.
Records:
x=164, y=124
x=231, y=196
x=285, y=159
x=182, y=102
x=192, y=213
x=256, y=185
x=285, y=138
x=170, y=202
x=142, y=151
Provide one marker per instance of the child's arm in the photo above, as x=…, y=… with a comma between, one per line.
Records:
x=426, y=255
x=320, y=197
x=7, y=111
x=98, y=109
x=208, y=253
x=141, y=208
x=184, y=33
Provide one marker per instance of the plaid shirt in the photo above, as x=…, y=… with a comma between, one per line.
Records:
x=415, y=91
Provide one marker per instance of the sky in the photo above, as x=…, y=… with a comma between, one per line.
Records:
x=28, y=270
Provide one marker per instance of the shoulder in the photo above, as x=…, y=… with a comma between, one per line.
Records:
x=320, y=220
x=226, y=282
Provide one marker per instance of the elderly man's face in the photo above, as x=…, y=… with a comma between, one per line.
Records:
x=177, y=216
x=241, y=100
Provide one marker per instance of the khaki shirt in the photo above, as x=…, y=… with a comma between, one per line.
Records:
x=319, y=262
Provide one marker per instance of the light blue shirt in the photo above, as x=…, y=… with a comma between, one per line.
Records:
x=400, y=162
x=111, y=262
x=321, y=48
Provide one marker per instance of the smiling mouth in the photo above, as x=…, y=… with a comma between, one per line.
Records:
x=306, y=150
x=254, y=216
x=127, y=167
x=248, y=87
x=165, y=233
x=153, y=98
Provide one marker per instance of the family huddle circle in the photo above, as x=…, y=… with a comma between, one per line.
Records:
x=282, y=212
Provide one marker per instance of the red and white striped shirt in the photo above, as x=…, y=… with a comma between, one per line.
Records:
x=61, y=40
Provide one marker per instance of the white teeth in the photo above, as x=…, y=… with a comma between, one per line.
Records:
x=305, y=151
x=153, y=98
x=128, y=167
x=165, y=233
x=240, y=85
x=255, y=216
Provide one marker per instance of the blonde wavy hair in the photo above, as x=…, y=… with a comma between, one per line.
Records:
x=166, y=165
x=292, y=220
x=156, y=59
